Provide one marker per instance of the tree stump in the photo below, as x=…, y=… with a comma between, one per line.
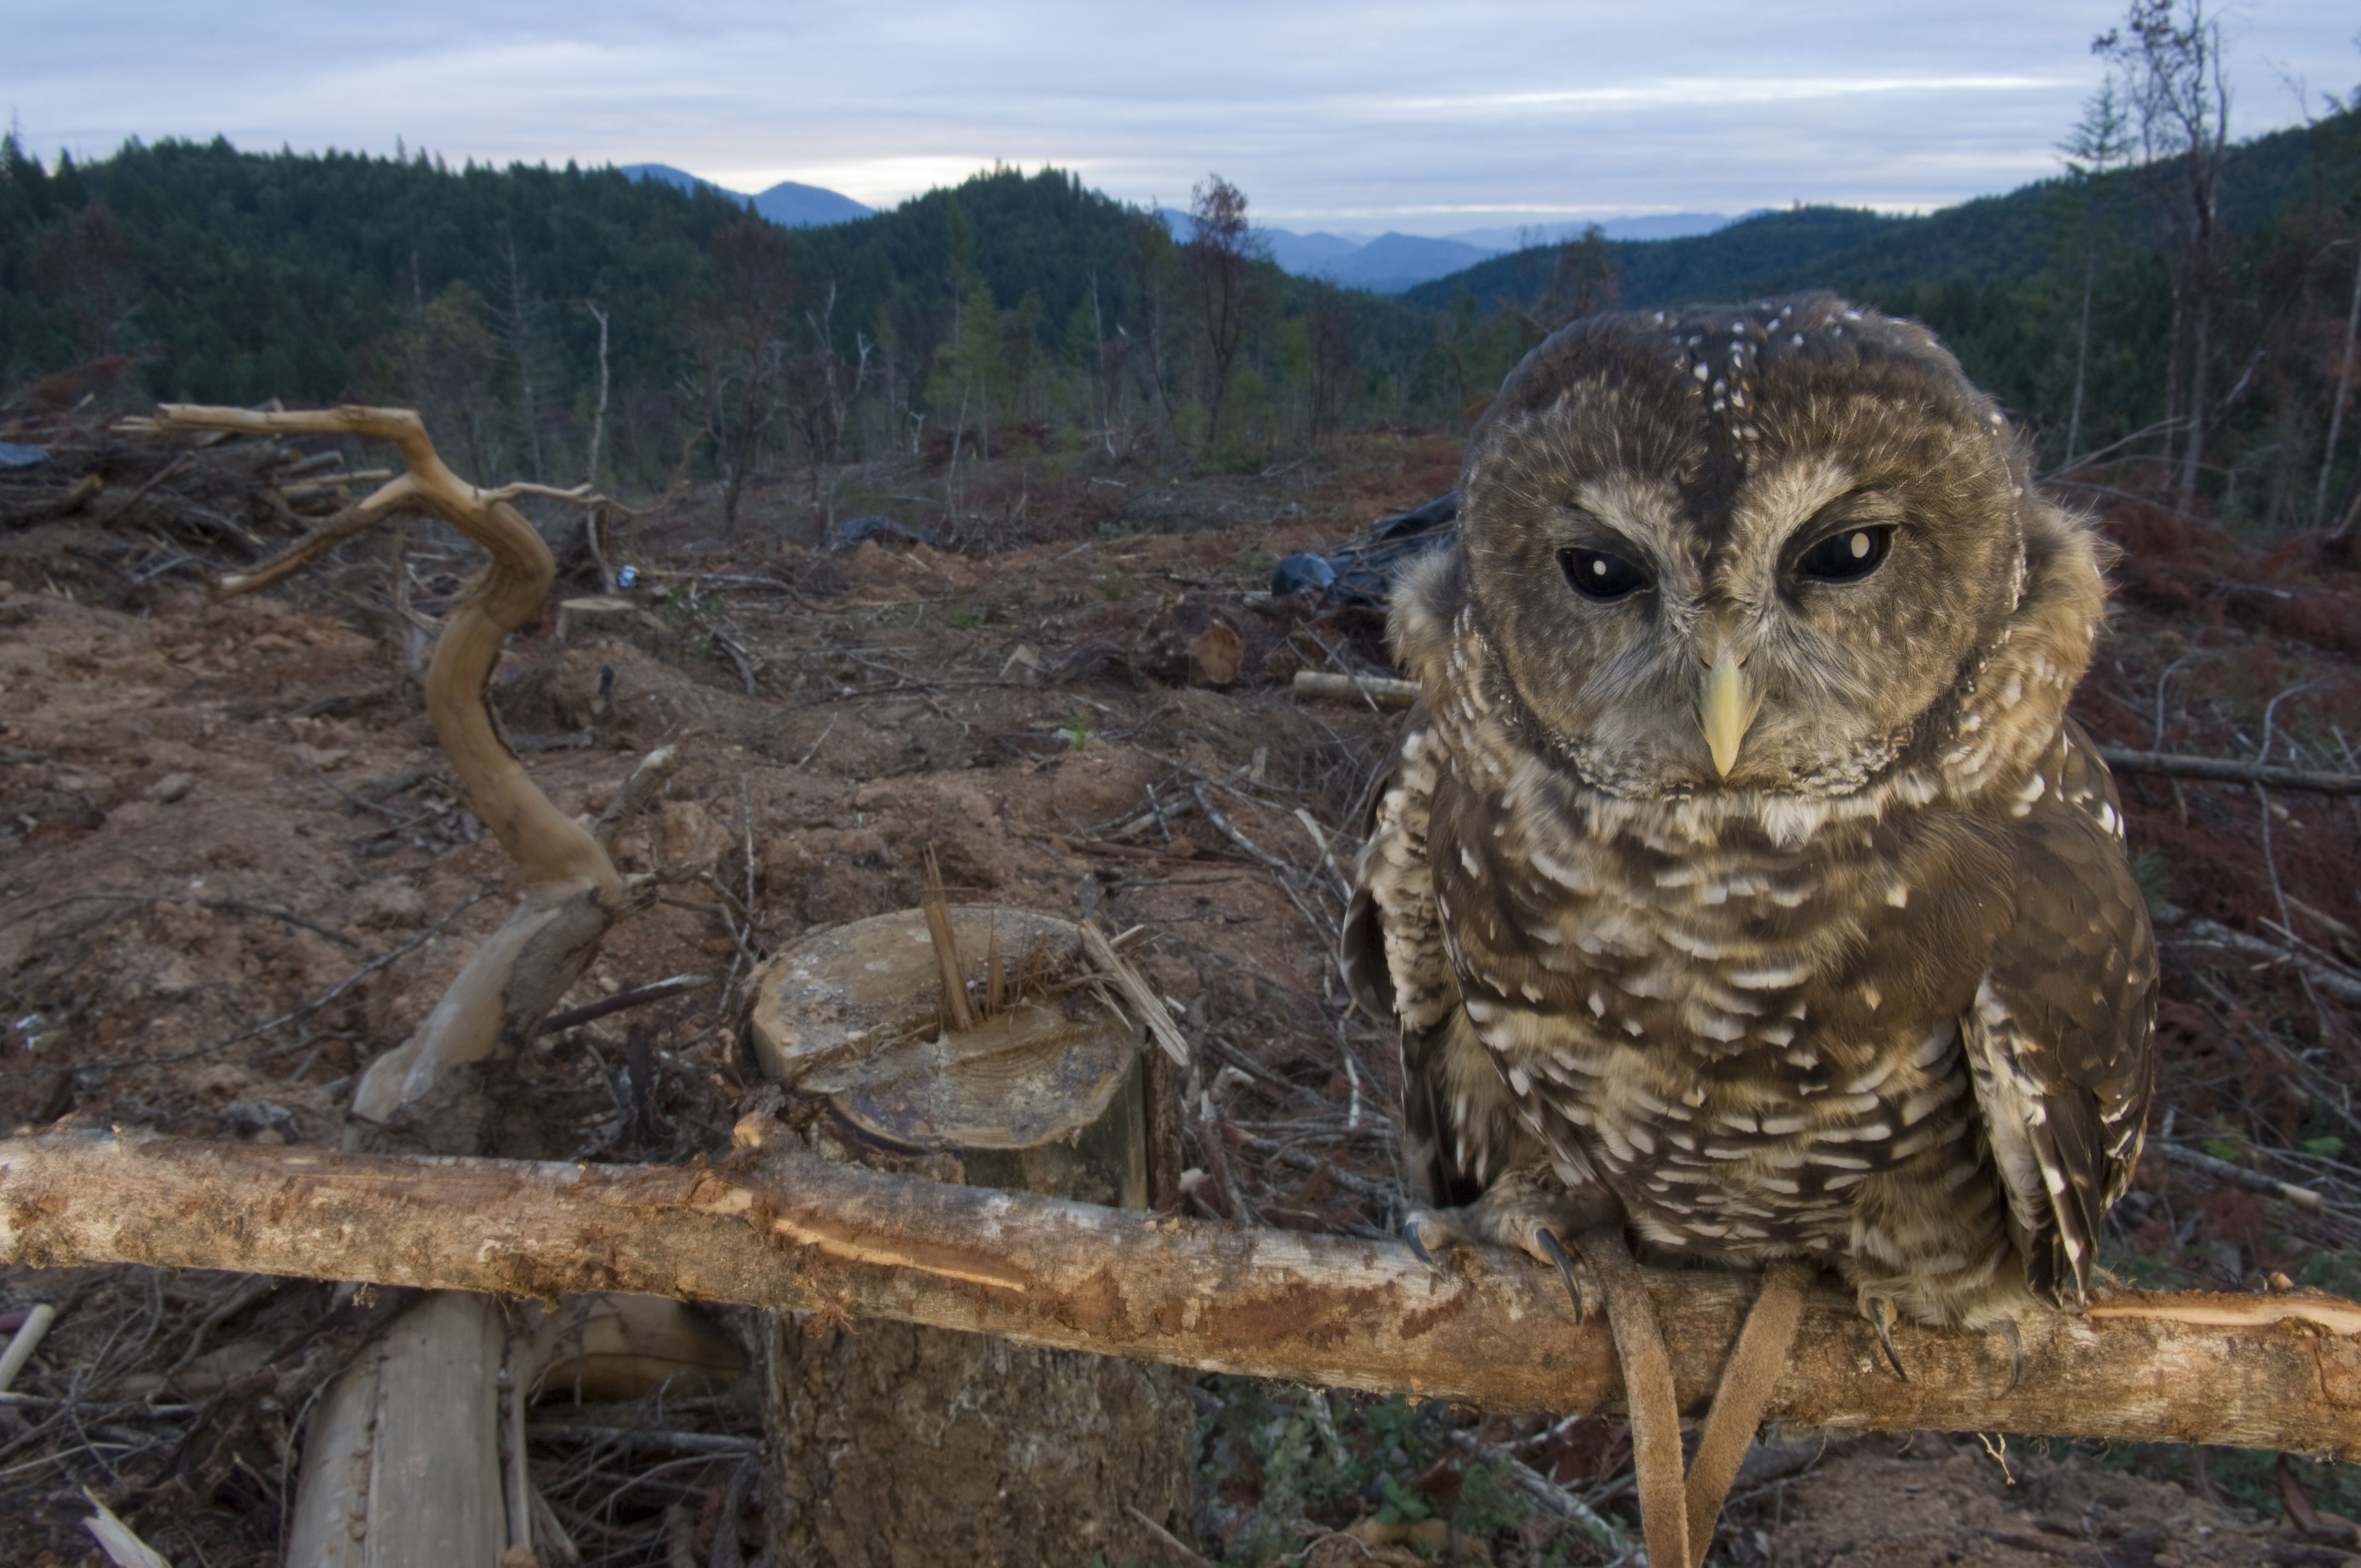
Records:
x=894, y=1444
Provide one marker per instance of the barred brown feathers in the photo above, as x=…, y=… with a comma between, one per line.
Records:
x=1740, y=870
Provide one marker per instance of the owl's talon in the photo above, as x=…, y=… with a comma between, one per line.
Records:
x=1879, y=1309
x=1413, y=1233
x=2008, y=1331
x=1545, y=1241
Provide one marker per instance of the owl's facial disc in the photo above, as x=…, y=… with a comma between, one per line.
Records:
x=1693, y=592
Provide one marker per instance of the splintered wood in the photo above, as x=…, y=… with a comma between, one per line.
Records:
x=783, y=1230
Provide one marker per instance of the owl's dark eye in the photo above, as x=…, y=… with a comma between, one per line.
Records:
x=1598, y=576
x=1846, y=556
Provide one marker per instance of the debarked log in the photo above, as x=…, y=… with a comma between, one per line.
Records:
x=787, y=1231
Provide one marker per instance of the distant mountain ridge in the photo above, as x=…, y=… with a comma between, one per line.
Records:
x=1877, y=256
x=1394, y=263
x=788, y=203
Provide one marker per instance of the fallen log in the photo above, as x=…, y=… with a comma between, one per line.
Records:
x=778, y=1228
x=2229, y=770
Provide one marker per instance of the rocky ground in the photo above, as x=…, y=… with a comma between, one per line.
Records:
x=233, y=868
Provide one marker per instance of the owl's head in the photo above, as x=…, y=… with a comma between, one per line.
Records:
x=1747, y=548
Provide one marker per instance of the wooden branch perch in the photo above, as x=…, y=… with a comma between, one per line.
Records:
x=783, y=1230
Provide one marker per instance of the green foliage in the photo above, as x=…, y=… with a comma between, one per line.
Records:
x=1114, y=585
x=694, y=618
x=965, y=616
x=1275, y=1457
x=1077, y=731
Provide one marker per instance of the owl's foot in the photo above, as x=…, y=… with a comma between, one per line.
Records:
x=1530, y=1210
x=1880, y=1311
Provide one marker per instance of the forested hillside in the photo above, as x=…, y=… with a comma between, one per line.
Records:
x=485, y=296
x=544, y=318
x=2005, y=280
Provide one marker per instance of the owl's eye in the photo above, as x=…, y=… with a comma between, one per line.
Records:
x=1598, y=576
x=1843, y=557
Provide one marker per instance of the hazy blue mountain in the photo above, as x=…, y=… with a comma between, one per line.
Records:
x=802, y=206
x=1304, y=254
x=666, y=173
x=1301, y=254
x=1393, y=262
x=788, y=203
x=1658, y=226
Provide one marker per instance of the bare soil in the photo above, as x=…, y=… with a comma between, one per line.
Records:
x=233, y=869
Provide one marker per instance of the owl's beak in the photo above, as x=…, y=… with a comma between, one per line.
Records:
x=1727, y=710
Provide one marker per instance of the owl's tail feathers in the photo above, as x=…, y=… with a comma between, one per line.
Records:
x=1677, y=1513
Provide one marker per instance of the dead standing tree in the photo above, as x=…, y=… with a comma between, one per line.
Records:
x=2169, y=55
x=745, y=335
x=572, y=891
x=1221, y=260
x=827, y=387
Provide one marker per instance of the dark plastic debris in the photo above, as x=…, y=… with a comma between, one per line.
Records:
x=1363, y=571
x=888, y=533
x=1303, y=572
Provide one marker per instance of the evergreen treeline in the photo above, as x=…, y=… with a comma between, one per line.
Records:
x=2071, y=282
x=538, y=314
x=2189, y=305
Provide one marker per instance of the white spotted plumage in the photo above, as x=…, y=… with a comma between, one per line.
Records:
x=1834, y=1003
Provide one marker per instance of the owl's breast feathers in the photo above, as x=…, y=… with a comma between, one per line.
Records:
x=1906, y=1031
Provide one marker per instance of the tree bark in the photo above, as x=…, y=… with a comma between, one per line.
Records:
x=896, y=1443
x=792, y=1233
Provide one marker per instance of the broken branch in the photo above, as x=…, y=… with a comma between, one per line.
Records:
x=573, y=893
x=784, y=1230
x=2229, y=770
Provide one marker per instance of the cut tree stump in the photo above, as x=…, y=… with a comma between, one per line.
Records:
x=899, y=1444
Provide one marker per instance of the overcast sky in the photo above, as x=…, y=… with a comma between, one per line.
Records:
x=1424, y=117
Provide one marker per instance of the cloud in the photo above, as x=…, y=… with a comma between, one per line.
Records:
x=1383, y=115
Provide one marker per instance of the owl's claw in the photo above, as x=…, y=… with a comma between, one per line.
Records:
x=2008, y=1331
x=1879, y=1309
x=1429, y=1234
x=1413, y=1233
x=1547, y=1241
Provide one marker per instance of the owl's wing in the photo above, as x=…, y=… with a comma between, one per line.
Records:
x=2059, y=1036
x=1393, y=956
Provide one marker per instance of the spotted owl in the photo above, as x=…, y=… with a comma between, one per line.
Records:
x=1740, y=874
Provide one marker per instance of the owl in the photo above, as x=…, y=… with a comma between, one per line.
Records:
x=1739, y=878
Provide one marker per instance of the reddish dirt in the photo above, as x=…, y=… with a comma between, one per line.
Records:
x=212, y=816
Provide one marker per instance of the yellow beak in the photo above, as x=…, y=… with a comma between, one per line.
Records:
x=1727, y=710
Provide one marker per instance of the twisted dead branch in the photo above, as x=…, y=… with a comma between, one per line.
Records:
x=772, y=1227
x=572, y=891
